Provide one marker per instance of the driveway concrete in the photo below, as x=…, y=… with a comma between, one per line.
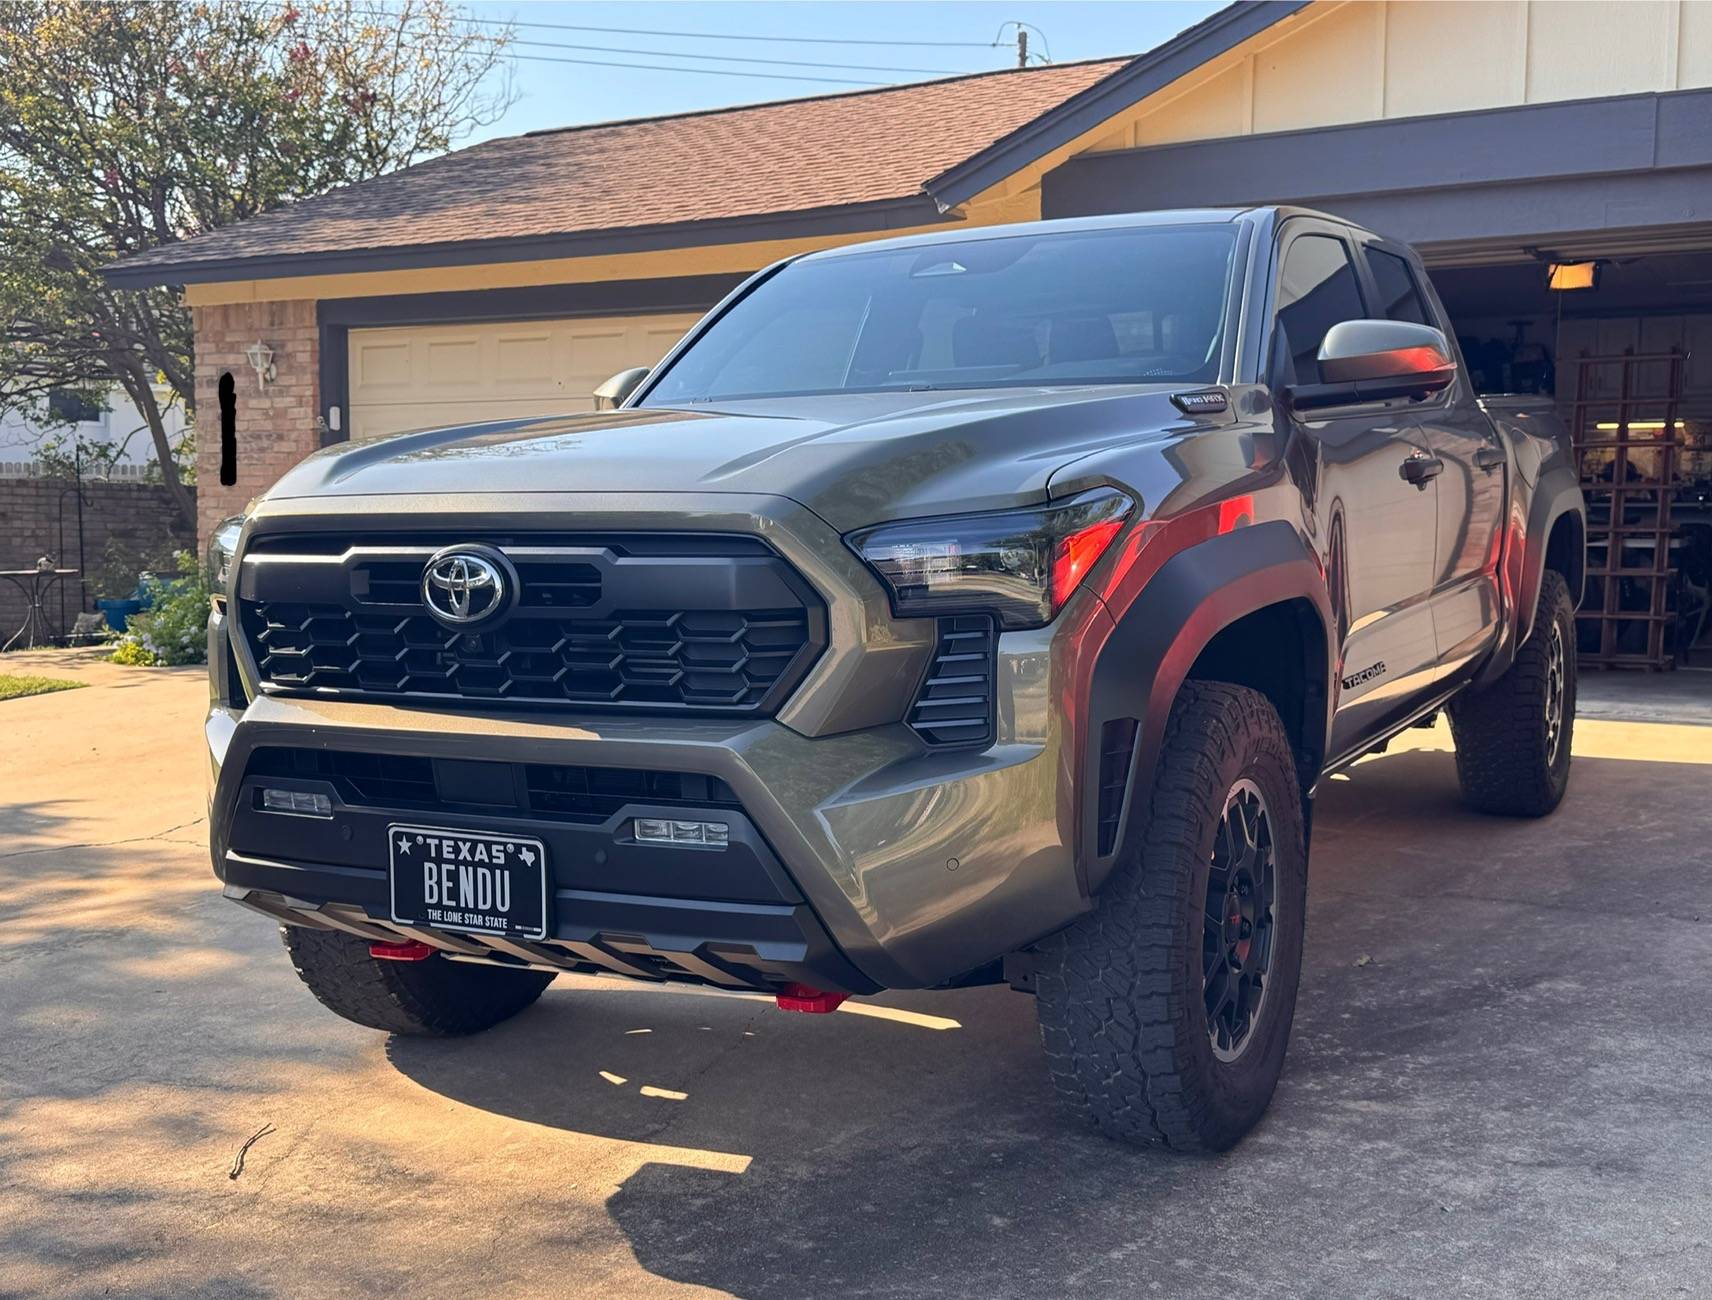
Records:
x=1499, y=1082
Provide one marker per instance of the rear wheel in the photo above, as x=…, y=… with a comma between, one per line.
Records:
x=433, y=997
x=1513, y=737
x=1166, y=1011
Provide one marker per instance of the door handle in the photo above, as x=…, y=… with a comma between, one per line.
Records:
x=1420, y=468
x=1490, y=458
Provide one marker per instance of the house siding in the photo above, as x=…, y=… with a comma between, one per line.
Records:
x=1381, y=60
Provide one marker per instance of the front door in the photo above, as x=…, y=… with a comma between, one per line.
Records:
x=1466, y=602
x=1376, y=527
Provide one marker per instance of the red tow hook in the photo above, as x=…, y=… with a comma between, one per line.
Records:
x=404, y=950
x=802, y=997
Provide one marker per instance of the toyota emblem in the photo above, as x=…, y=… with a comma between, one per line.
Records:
x=466, y=585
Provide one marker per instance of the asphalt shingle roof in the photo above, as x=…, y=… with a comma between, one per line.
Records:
x=755, y=161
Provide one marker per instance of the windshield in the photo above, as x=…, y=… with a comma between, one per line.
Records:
x=1081, y=307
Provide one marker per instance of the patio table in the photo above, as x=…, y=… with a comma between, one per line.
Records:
x=34, y=585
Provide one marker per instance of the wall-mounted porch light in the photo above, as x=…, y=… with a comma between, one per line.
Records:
x=260, y=357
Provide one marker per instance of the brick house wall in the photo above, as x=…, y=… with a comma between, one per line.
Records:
x=38, y=516
x=278, y=425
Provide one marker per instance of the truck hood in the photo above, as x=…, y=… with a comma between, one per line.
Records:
x=852, y=458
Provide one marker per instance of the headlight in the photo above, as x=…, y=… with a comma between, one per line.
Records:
x=1020, y=565
x=222, y=546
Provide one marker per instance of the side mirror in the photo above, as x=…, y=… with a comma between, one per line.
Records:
x=1371, y=360
x=616, y=391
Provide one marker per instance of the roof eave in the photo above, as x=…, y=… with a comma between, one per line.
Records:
x=852, y=218
x=1129, y=85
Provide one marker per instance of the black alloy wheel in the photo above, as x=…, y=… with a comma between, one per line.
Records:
x=1239, y=922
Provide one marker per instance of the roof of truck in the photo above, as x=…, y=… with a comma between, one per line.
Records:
x=1060, y=225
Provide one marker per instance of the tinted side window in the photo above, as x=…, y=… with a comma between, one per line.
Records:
x=1316, y=290
x=1399, y=299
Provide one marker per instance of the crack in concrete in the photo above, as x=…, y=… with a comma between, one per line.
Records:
x=671, y=1120
x=105, y=844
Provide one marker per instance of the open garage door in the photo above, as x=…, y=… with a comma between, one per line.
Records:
x=418, y=376
x=1629, y=360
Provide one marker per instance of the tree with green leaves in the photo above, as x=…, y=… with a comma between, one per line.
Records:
x=128, y=125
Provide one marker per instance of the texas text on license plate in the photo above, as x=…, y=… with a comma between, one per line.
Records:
x=468, y=880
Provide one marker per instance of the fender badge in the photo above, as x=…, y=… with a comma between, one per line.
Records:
x=1210, y=402
x=1367, y=674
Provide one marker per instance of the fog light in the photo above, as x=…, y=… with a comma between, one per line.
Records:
x=297, y=802
x=653, y=830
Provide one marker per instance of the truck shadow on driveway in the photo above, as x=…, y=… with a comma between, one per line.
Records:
x=1481, y=1037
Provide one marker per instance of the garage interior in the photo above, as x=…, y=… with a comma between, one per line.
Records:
x=1628, y=359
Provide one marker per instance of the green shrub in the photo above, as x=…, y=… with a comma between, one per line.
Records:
x=175, y=630
x=130, y=650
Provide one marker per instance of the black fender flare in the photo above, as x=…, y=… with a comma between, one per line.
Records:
x=1154, y=643
x=1555, y=495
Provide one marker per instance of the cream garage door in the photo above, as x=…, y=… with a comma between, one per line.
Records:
x=419, y=376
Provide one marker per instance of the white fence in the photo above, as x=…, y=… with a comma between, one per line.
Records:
x=121, y=473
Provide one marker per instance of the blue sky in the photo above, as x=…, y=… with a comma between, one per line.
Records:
x=561, y=94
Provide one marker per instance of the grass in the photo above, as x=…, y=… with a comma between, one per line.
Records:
x=14, y=687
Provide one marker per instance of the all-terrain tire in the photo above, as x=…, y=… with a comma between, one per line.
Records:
x=1122, y=993
x=433, y=997
x=1510, y=757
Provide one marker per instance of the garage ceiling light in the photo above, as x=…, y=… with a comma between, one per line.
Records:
x=1567, y=277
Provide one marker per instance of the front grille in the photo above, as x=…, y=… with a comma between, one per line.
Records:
x=661, y=622
x=706, y=659
x=589, y=795
x=955, y=703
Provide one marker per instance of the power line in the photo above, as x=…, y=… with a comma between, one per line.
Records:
x=728, y=36
x=710, y=72
x=721, y=36
x=729, y=58
x=718, y=36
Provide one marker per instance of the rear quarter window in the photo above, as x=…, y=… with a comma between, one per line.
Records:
x=1399, y=295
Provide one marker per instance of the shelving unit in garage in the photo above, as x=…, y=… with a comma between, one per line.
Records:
x=1625, y=421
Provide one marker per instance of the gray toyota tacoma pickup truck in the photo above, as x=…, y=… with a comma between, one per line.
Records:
x=953, y=609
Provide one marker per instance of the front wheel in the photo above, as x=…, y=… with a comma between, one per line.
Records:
x=1513, y=737
x=1166, y=1011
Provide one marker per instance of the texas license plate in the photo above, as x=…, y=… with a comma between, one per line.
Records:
x=468, y=880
